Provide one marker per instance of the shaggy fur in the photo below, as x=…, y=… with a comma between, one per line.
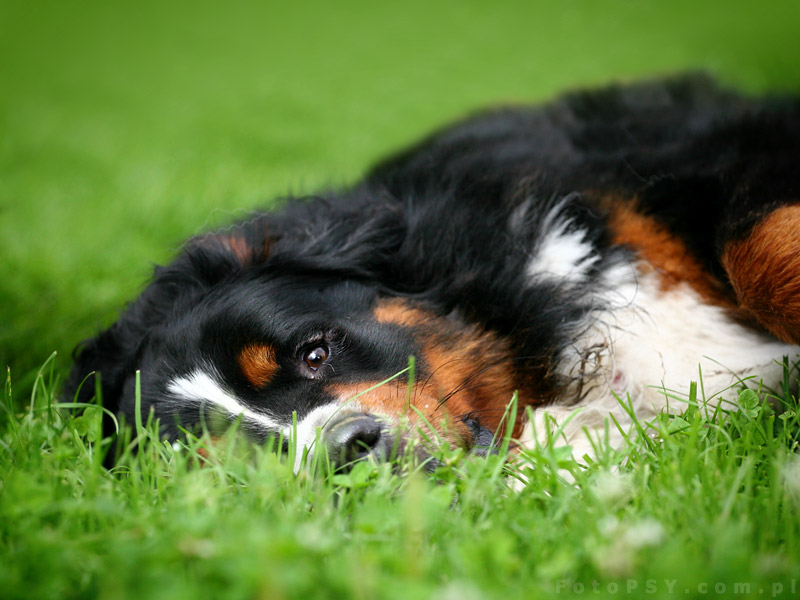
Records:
x=597, y=246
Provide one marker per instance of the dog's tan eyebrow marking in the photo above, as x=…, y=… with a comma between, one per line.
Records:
x=249, y=243
x=258, y=363
x=240, y=249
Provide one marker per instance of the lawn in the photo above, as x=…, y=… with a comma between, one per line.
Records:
x=125, y=128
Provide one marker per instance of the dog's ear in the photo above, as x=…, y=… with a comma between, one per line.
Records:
x=105, y=355
x=204, y=261
x=113, y=353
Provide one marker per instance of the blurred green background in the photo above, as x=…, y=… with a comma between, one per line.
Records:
x=127, y=126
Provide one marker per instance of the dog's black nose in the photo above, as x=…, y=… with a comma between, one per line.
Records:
x=356, y=436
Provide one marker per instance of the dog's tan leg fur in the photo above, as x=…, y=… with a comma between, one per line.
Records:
x=764, y=269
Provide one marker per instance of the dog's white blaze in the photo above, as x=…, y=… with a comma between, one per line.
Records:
x=203, y=388
x=316, y=420
x=562, y=252
x=648, y=339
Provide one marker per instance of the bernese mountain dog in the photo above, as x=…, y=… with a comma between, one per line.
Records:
x=599, y=252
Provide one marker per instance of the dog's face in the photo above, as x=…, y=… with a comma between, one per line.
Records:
x=294, y=356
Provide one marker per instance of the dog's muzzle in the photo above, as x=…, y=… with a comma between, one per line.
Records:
x=354, y=437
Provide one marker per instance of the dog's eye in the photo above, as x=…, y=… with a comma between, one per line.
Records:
x=315, y=357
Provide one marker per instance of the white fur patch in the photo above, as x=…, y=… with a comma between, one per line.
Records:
x=203, y=388
x=200, y=387
x=563, y=251
x=648, y=339
x=315, y=421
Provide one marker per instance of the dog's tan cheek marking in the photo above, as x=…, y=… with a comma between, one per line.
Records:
x=205, y=453
x=471, y=369
x=388, y=399
x=258, y=364
x=398, y=312
x=764, y=270
x=662, y=251
x=391, y=400
x=475, y=376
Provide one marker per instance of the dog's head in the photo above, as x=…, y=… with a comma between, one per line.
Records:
x=286, y=338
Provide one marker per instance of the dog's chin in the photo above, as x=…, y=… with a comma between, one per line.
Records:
x=483, y=440
x=358, y=437
x=402, y=448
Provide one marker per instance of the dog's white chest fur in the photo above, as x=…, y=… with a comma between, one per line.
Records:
x=648, y=344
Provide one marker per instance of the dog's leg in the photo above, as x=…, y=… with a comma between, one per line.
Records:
x=763, y=265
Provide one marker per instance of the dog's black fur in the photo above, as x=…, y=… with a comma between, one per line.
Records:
x=442, y=237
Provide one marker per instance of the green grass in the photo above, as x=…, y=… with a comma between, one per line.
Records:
x=126, y=127
x=693, y=503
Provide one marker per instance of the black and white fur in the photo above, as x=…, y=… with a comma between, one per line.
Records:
x=494, y=233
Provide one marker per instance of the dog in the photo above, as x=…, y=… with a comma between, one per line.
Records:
x=607, y=248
